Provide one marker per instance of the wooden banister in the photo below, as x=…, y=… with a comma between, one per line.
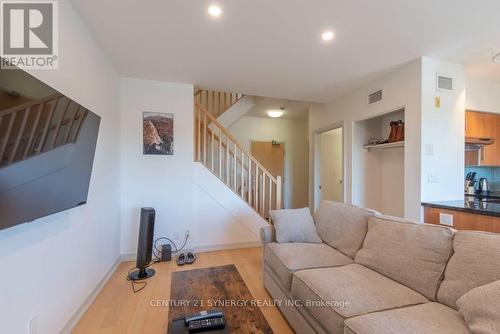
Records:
x=216, y=102
x=218, y=150
x=26, y=105
x=31, y=128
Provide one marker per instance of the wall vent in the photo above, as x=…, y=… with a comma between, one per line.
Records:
x=375, y=97
x=444, y=83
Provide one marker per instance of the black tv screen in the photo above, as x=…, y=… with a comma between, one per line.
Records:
x=47, y=146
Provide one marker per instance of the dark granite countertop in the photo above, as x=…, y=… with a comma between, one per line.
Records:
x=488, y=206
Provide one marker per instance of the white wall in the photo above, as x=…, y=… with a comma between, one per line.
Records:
x=426, y=177
x=401, y=88
x=294, y=134
x=482, y=95
x=442, y=129
x=168, y=183
x=52, y=264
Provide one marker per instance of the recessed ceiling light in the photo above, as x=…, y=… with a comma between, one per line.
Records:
x=327, y=35
x=275, y=113
x=214, y=11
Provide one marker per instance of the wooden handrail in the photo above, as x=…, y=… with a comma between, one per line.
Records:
x=234, y=140
x=25, y=136
x=235, y=166
x=216, y=102
x=29, y=104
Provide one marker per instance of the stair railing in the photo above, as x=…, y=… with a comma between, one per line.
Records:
x=215, y=102
x=38, y=126
x=225, y=157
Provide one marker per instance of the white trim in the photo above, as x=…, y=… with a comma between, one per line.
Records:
x=317, y=160
x=77, y=315
x=204, y=249
x=212, y=248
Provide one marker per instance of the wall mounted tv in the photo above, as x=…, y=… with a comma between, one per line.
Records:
x=47, y=146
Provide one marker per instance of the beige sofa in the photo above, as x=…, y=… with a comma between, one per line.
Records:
x=377, y=274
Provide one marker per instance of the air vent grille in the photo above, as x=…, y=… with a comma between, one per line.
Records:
x=444, y=83
x=375, y=97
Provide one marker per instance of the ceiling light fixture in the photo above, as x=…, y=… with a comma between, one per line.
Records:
x=276, y=113
x=327, y=35
x=214, y=11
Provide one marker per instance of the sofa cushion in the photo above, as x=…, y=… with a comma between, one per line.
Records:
x=410, y=253
x=294, y=225
x=334, y=294
x=430, y=318
x=481, y=309
x=475, y=262
x=342, y=226
x=285, y=259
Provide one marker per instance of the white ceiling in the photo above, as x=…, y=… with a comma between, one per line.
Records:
x=293, y=109
x=273, y=48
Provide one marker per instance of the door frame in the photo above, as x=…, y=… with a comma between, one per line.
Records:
x=316, y=191
x=285, y=169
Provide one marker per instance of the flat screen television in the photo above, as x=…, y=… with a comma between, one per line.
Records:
x=47, y=146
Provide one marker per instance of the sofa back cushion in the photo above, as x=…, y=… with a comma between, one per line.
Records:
x=342, y=226
x=479, y=307
x=475, y=262
x=412, y=254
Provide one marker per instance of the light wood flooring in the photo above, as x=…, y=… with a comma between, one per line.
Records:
x=117, y=310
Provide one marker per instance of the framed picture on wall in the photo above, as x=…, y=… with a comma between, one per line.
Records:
x=158, y=133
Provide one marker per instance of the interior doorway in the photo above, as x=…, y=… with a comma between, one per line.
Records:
x=329, y=172
x=271, y=155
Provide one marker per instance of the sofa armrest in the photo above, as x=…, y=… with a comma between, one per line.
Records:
x=267, y=234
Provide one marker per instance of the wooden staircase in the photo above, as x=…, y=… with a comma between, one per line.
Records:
x=215, y=102
x=38, y=126
x=226, y=158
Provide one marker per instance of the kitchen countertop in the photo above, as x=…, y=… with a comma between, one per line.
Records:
x=488, y=206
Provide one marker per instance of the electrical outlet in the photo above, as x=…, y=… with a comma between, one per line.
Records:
x=445, y=219
x=432, y=178
x=32, y=325
x=429, y=149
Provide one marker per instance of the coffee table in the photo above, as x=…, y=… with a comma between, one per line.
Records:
x=216, y=288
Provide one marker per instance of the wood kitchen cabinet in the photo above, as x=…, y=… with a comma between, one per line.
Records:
x=484, y=125
x=496, y=224
x=463, y=220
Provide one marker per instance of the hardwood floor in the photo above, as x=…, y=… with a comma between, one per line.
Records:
x=117, y=310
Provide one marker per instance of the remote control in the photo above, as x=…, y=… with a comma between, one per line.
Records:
x=197, y=326
x=204, y=315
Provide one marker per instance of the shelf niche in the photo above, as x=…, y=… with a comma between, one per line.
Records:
x=378, y=170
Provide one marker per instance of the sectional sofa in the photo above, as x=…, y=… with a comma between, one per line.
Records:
x=378, y=274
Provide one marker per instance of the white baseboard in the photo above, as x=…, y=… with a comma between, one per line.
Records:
x=202, y=249
x=70, y=325
x=213, y=248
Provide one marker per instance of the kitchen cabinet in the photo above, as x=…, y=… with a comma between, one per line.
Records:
x=496, y=224
x=484, y=125
x=463, y=220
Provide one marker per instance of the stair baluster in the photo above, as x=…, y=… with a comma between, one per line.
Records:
x=225, y=157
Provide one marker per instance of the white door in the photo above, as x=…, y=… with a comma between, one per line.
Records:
x=331, y=166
